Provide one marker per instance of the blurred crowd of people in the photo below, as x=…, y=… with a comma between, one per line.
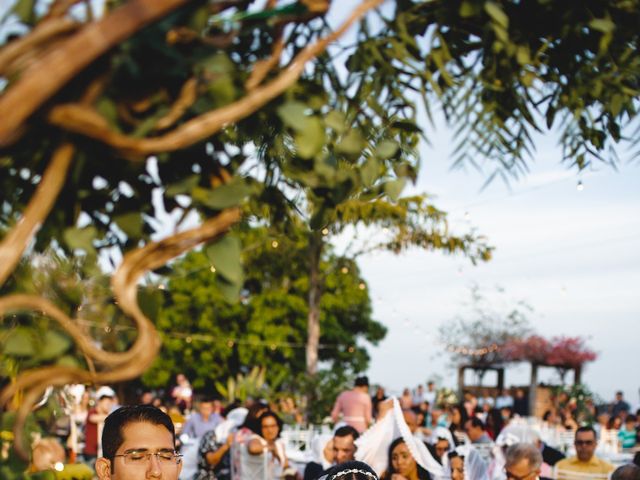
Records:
x=418, y=435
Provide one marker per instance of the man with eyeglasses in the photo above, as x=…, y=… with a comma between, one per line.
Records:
x=138, y=443
x=585, y=461
x=523, y=462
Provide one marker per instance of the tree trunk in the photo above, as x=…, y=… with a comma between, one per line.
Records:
x=315, y=291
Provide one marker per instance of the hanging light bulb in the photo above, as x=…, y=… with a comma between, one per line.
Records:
x=325, y=231
x=213, y=269
x=580, y=186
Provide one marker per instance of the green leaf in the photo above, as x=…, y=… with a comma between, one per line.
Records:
x=80, y=238
x=616, y=104
x=352, y=143
x=604, y=25
x=150, y=301
x=230, y=291
x=369, y=171
x=310, y=137
x=68, y=361
x=131, y=224
x=394, y=188
x=497, y=15
x=225, y=257
x=222, y=90
x=217, y=63
x=19, y=343
x=467, y=9
x=522, y=55
x=107, y=109
x=407, y=126
x=55, y=344
x=293, y=114
x=24, y=9
x=183, y=187
x=224, y=196
x=336, y=121
x=386, y=149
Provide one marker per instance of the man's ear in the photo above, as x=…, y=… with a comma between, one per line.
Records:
x=103, y=468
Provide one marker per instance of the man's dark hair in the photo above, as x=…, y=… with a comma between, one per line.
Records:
x=586, y=429
x=476, y=422
x=454, y=454
x=362, y=381
x=114, y=424
x=345, y=431
x=626, y=472
x=630, y=418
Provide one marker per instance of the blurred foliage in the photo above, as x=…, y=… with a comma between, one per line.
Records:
x=243, y=387
x=31, y=339
x=337, y=148
x=504, y=69
x=212, y=340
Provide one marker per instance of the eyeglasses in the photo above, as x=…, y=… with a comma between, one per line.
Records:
x=584, y=442
x=166, y=458
x=516, y=477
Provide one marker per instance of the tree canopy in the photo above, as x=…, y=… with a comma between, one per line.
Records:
x=233, y=100
x=210, y=339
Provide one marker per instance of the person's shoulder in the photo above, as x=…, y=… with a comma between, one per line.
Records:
x=604, y=464
x=566, y=462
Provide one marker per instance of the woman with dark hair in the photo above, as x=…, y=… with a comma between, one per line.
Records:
x=350, y=471
x=265, y=456
x=456, y=465
x=458, y=418
x=237, y=444
x=402, y=465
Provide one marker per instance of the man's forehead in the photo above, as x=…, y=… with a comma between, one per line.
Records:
x=588, y=435
x=343, y=442
x=143, y=435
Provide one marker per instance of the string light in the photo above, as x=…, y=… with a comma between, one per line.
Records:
x=474, y=352
x=213, y=269
x=351, y=349
x=161, y=286
x=204, y=338
x=344, y=270
x=274, y=244
x=362, y=286
x=325, y=231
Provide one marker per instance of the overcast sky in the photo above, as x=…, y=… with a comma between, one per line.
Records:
x=572, y=255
